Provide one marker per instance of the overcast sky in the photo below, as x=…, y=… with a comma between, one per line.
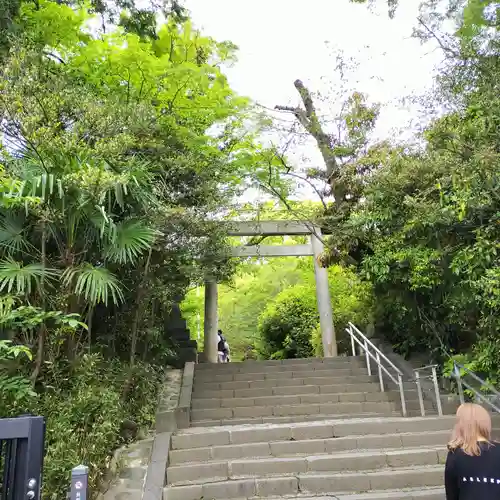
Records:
x=282, y=40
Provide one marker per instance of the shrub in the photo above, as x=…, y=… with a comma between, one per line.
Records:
x=85, y=406
x=289, y=326
x=15, y=388
x=84, y=423
x=287, y=323
x=483, y=359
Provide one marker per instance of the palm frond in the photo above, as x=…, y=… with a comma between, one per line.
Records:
x=42, y=186
x=21, y=279
x=13, y=234
x=129, y=241
x=7, y=302
x=94, y=284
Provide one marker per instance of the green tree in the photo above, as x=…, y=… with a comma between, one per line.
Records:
x=426, y=233
x=140, y=18
x=242, y=300
x=113, y=137
x=118, y=147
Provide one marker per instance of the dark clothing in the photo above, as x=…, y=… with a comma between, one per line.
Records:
x=473, y=478
x=221, y=347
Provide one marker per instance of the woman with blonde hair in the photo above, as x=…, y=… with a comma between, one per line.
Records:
x=473, y=463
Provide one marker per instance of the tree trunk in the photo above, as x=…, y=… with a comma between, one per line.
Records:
x=150, y=325
x=40, y=352
x=140, y=295
x=71, y=341
x=308, y=118
x=90, y=315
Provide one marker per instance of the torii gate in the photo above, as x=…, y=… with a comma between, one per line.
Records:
x=313, y=248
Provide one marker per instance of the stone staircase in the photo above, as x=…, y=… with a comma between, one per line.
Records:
x=305, y=428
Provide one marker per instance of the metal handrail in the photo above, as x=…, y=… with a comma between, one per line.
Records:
x=434, y=379
x=376, y=349
x=365, y=344
x=460, y=382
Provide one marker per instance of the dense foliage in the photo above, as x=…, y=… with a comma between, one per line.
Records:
x=427, y=232
x=420, y=222
x=268, y=310
x=116, y=146
x=289, y=326
x=242, y=300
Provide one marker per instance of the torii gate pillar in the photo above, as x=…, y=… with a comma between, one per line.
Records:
x=211, y=322
x=323, y=298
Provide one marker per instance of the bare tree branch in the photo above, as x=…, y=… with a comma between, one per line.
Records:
x=446, y=48
x=272, y=190
x=292, y=174
x=308, y=118
x=54, y=56
x=316, y=190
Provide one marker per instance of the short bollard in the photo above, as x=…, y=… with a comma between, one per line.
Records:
x=79, y=483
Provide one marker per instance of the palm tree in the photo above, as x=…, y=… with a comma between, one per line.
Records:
x=89, y=219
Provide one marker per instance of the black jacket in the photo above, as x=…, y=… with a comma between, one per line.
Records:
x=221, y=344
x=473, y=478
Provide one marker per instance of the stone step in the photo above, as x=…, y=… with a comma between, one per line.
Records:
x=282, y=382
x=344, y=397
x=333, y=373
x=314, y=443
x=311, y=418
x=271, y=366
x=198, y=437
x=290, y=419
x=284, y=410
x=312, y=483
x=285, y=391
x=411, y=398
x=406, y=494
x=288, y=361
x=195, y=473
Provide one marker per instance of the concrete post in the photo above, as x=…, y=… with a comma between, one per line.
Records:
x=323, y=298
x=79, y=483
x=211, y=322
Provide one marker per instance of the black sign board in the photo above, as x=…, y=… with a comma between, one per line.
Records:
x=79, y=483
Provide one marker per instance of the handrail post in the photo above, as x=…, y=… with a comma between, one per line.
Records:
x=402, y=394
x=368, y=365
x=436, y=390
x=380, y=378
x=419, y=392
x=459, y=383
x=353, y=344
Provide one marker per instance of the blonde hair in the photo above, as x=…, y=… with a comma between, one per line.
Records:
x=473, y=424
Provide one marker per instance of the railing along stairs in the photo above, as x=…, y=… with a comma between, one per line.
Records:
x=383, y=363
x=478, y=394
x=362, y=345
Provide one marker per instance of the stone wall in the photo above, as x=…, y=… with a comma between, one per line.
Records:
x=175, y=402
